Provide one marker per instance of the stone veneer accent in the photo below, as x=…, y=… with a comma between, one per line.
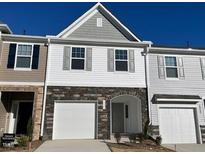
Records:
x=37, y=106
x=91, y=93
x=203, y=134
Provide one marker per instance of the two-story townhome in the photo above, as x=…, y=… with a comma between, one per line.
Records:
x=22, y=71
x=95, y=80
x=176, y=78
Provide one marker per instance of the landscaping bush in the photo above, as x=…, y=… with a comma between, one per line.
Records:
x=117, y=137
x=146, y=129
x=132, y=138
x=23, y=141
x=158, y=140
x=141, y=137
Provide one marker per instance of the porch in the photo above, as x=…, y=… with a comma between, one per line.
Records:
x=17, y=106
x=126, y=116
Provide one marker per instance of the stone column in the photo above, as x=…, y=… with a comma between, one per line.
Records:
x=37, y=111
x=103, y=119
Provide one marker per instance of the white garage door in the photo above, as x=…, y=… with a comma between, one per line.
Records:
x=74, y=121
x=177, y=125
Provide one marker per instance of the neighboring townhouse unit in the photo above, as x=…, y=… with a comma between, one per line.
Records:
x=95, y=82
x=22, y=71
x=176, y=94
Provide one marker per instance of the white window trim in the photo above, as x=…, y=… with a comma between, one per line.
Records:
x=71, y=57
x=21, y=68
x=121, y=60
x=170, y=78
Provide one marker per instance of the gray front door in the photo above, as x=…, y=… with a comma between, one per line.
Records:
x=117, y=117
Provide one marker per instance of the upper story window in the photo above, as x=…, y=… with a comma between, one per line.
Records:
x=121, y=60
x=24, y=56
x=78, y=58
x=171, y=67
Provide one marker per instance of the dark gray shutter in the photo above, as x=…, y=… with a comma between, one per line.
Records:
x=66, y=58
x=35, y=60
x=202, y=60
x=110, y=60
x=88, y=59
x=11, y=57
x=161, y=69
x=180, y=68
x=131, y=61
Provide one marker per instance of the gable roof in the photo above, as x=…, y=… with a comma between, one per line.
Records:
x=124, y=30
x=4, y=28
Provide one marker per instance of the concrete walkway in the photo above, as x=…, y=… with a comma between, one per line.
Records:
x=73, y=146
x=186, y=147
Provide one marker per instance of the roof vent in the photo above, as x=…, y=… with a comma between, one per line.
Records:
x=99, y=22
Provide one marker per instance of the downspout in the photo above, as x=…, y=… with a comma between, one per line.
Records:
x=146, y=51
x=45, y=90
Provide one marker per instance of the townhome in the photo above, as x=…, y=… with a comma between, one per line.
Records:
x=95, y=80
x=22, y=71
x=176, y=93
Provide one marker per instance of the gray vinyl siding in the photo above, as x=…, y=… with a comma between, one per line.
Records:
x=10, y=75
x=192, y=84
x=89, y=30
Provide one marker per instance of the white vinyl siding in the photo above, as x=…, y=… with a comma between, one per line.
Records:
x=191, y=85
x=99, y=76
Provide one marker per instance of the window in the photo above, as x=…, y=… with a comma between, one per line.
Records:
x=99, y=22
x=24, y=56
x=78, y=58
x=126, y=111
x=171, y=67
x=121, y=62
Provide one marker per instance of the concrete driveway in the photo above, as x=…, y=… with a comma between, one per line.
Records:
x=187, y=147
x=73, y=146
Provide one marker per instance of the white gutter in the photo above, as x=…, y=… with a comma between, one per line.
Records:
x=177, y=100
x=45, y=91
x=148, y=81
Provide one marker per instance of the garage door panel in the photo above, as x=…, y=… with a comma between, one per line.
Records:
x=177, y=125
x=74, y=121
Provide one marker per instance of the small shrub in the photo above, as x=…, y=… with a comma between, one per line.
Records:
x=146, y=129
x=141, y=137
x=158, y=140
x=117, y=137
x=30, y=129
x=132, y=138
x=22, y=141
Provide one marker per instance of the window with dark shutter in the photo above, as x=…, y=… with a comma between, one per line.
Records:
x=11, y=57
x=35, y=60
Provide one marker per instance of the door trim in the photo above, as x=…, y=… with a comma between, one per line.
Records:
x=10, y=118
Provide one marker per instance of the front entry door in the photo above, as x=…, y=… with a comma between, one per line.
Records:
x=24, y=113
x=117, y=117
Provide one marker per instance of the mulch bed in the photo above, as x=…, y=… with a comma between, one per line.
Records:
x=145, y=146
x=35, y=145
